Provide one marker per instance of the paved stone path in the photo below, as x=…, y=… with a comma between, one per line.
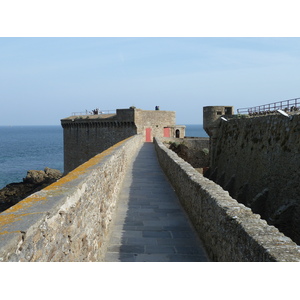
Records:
x=150, y=225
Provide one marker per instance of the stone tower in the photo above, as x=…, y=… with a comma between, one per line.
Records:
x=211, y=122
x=211, y=115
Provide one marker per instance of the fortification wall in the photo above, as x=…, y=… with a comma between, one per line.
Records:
x=257, y=160
x=68, y=220
x=84, y=139
x=229, y=230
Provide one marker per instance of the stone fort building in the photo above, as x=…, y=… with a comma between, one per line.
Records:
x=87, y=135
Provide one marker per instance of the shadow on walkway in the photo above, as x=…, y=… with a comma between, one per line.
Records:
x=150, y=224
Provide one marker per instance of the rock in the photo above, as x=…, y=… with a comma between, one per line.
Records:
x=52, y=174
x=46, y=176
x=197, y=157
x=35, y=177
x=33, y=182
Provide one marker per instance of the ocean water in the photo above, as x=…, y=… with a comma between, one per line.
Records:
x=24, y=148
x=195, y=130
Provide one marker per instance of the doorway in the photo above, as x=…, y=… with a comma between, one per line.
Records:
x=149, y=135
x=166, y=131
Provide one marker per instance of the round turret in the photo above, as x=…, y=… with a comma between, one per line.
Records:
x=213, y=113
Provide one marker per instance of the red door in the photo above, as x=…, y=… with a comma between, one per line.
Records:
x=149, y=135
x=166, y=132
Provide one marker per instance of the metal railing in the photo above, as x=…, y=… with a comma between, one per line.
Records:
x=100, y=112
x=285, y=105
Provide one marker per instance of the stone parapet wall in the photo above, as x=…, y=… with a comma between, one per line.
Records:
x=69, y=220
x=228, y=229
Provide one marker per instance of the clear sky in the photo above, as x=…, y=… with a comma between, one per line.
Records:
x=85, y=63
x=45, y=79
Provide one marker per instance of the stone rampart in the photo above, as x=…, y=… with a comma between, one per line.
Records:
x=84, y=138
x=229, y=230
x=68, y=220
x=257, y=161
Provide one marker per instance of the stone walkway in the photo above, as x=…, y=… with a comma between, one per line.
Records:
x=150, y=225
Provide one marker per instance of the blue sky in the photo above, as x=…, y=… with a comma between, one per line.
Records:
x=45, y=79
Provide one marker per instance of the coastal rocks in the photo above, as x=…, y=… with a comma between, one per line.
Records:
x=46, y=176
x=194, y=154
x=33, y=182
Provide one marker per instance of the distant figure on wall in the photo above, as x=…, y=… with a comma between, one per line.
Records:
x=156, y=107
x=95, y=111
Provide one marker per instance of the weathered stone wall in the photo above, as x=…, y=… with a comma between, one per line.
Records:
x=257, y=160
x=83, y=139
x=155, y=119
x=229, y=230
x=68, y=220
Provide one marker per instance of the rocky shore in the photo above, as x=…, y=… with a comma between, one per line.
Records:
x=196, y=156
x=33, y=182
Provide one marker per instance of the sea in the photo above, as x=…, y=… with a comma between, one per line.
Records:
x=24, y=148
x=195, y=130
